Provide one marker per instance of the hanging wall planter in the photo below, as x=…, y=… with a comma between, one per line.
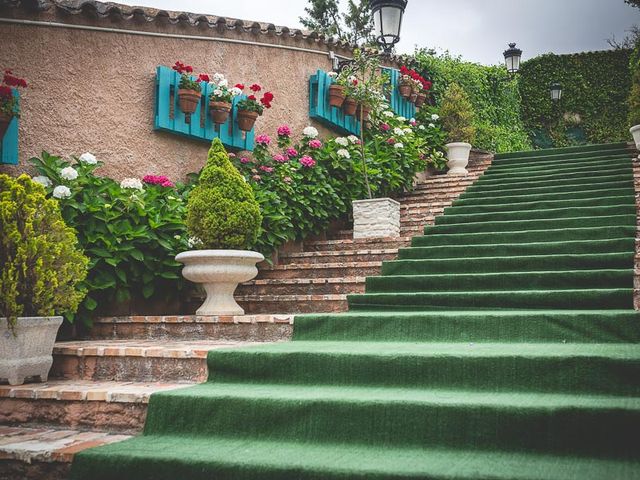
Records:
x=413, y=97
x=336, y=95
x=420, y=99
x=246, y=119
x=405, y=89
x=219, y=111
x=349, y=106
x=188, y=101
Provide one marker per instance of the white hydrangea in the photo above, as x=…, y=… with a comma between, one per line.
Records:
x=402, y=119
x=431, y=125
x=235, y=91
x=421, y=127
x=435, y=117
x=398, y=145
x=310, y=132
x=388, y=113
x=343, y=153
x=88, y=158
x=407, y=130
x=69, y=173
x=353, y=139
x=61, y=191
x=398, y=131
x=131, y=183
x=42, y=180
x=342, y=141
x=217, y=78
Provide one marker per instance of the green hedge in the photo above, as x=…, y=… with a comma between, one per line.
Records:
x=594, y=106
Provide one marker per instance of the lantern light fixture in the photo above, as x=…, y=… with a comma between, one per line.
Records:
x=387, y=21
x=512, y=58
x=556, y=91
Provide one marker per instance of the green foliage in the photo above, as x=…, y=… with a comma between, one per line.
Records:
x=595, y=90
x=353, y=26
x=457, y=115
x=222, y=212
x=493, y=94
x=369, y=87
x=130, y=235
x=189, y=83
x=42, y=266
x=634, y=93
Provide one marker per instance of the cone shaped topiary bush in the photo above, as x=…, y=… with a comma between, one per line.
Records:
x=222, y=212
x=456, y=111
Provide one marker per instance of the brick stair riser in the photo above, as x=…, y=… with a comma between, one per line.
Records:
x=359, y=245
x=332, y=272
x=294, y=306
x=330, y=257
x=324, y=288
x=431, y=186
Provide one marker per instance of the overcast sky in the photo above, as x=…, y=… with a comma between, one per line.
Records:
x=479, y=30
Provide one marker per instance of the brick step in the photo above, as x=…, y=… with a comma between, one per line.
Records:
x=39, y=453
x=341, y=235
x=79, y=404
x=427, y=204
x=293, y=304
x=359, y=244
x=303, y=286
x=336, y=256
x=134, y=360
x=323, y=270
x=416, y=222
x=428, y=185
x=433, y=192
x=244, y=328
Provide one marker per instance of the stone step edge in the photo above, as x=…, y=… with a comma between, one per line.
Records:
x=334, y=297
x=314, y=266
x=305, y=281
x=228, y=319
x=339, y=253
x=358, y=241
x=141, y=348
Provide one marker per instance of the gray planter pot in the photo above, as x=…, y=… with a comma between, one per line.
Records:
x=28, y=352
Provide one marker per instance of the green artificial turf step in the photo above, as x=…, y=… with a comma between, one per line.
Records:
x=599, y=161
x=550, y=177
x=577, y=184
x=585, y=165
x=469, y=198
x=551, y=152
x=468, y=208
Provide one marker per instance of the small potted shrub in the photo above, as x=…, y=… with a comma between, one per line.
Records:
x=223, y=220
x=457, y=118
x=337, y=89
x=249, y=109
x=8, y=102
x=189, y=90
x=41, y=267
x=634, y=107
x=221, y=98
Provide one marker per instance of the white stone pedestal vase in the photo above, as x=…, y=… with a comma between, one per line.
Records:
x=458, y=157
x=376, y=218
x=219, y=272
x=635, y=131
x=28, y=352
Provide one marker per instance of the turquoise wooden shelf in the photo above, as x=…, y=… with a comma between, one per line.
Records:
x=9, y=144
x=169, y=117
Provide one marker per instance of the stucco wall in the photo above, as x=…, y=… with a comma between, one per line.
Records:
x=94, y=91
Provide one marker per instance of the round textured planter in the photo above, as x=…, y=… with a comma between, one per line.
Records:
x=188, y=101
x=635, y=131
x=28, y=352
x=405, y=90
x=5, y=120
x=219, y=111
x=349, y=106
x=420, y=99
x=219, y=272
x=458, y=157
x=336, y=95
x=246, y=120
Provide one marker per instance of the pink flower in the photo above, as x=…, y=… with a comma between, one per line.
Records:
x=287, y=180
x=284, y=131
x=244, y=160
x=385, y=127
x=231, y=155
x=292, y=152
x=266, y=169
x=167, y=184
x=280, y=158
x=263, y=139
x=307, y=161
x=413, y=123
x=158, y=180
x=391, y=141
x=315, y=143
x=257, y=178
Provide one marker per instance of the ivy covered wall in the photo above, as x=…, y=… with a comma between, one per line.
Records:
x=594, y=105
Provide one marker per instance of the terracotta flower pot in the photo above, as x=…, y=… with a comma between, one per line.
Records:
x=219, y=111
x=246, y=120
x=363, y=113
x=349, y=106
x=336, y=95
x=5, y=120
x=188, y=101
x=420, y=99
x=405, y=90
x=413, y=97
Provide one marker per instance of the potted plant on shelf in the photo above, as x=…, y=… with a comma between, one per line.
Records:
x=221, y=98
x=249, y=108
x=337, y=89
x=223, y=220
x=9, y=107
x=189, y=89
x=634, y=107
x=457, y=118
x=41, y=267
x=405, y=87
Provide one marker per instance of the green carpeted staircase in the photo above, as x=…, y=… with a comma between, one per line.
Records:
x=502, y=345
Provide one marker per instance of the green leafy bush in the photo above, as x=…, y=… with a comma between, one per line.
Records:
x=222, y=212
x=457, y=115
x=130, y=230
x=42, y=266
x=634, y=94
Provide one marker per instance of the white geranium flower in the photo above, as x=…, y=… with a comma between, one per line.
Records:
x=421, y=127
x=431, y=125
x=69, y=173
x=353, y=139
x=343, y=153
x=88, y=158
x=217, y=92
x=402, y=119
x=352, y=78
x=310, y=132
x=223, y=83
x=61, y=191
x=435, y=117
x=332, y=74
x=134, y=183
x=398, y=131
x=398, y=145
x=342, y=141
x=42, y=180
x=235, y=91
x=217, y=78
x=388, y=113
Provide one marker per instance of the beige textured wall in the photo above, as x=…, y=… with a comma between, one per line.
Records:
x=94, y=91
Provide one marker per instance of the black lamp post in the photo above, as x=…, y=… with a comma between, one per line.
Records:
x=556, y=91
x=387, y=21
x=512, y=58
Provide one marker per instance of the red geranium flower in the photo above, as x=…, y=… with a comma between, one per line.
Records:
x=188, y=69
x=203, y=77
x=239, y=85
x=255, y=87
x=5, y=92
x=252, y=97
x=267, y=97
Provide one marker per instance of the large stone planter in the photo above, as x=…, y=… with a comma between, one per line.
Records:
x=458, y=157
x=635, y=131
x=219, y=272
x=376, y=218
x=28, y=352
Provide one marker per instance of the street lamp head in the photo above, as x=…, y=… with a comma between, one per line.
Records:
x=387, y=21
x=512, y=58
x=556, y=91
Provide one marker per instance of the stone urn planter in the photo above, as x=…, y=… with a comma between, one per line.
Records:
x=635, y=131
x=376, y=218
x=27, y=351
x=336, y=95
x=5, y=120
x=349, y=106
x=219, y=272
x=458, y=157
x=246, y=120
x=219, y=111
x=188, y=101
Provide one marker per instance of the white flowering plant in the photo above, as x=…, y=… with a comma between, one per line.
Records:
x=129, y=229
x=221, y=90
